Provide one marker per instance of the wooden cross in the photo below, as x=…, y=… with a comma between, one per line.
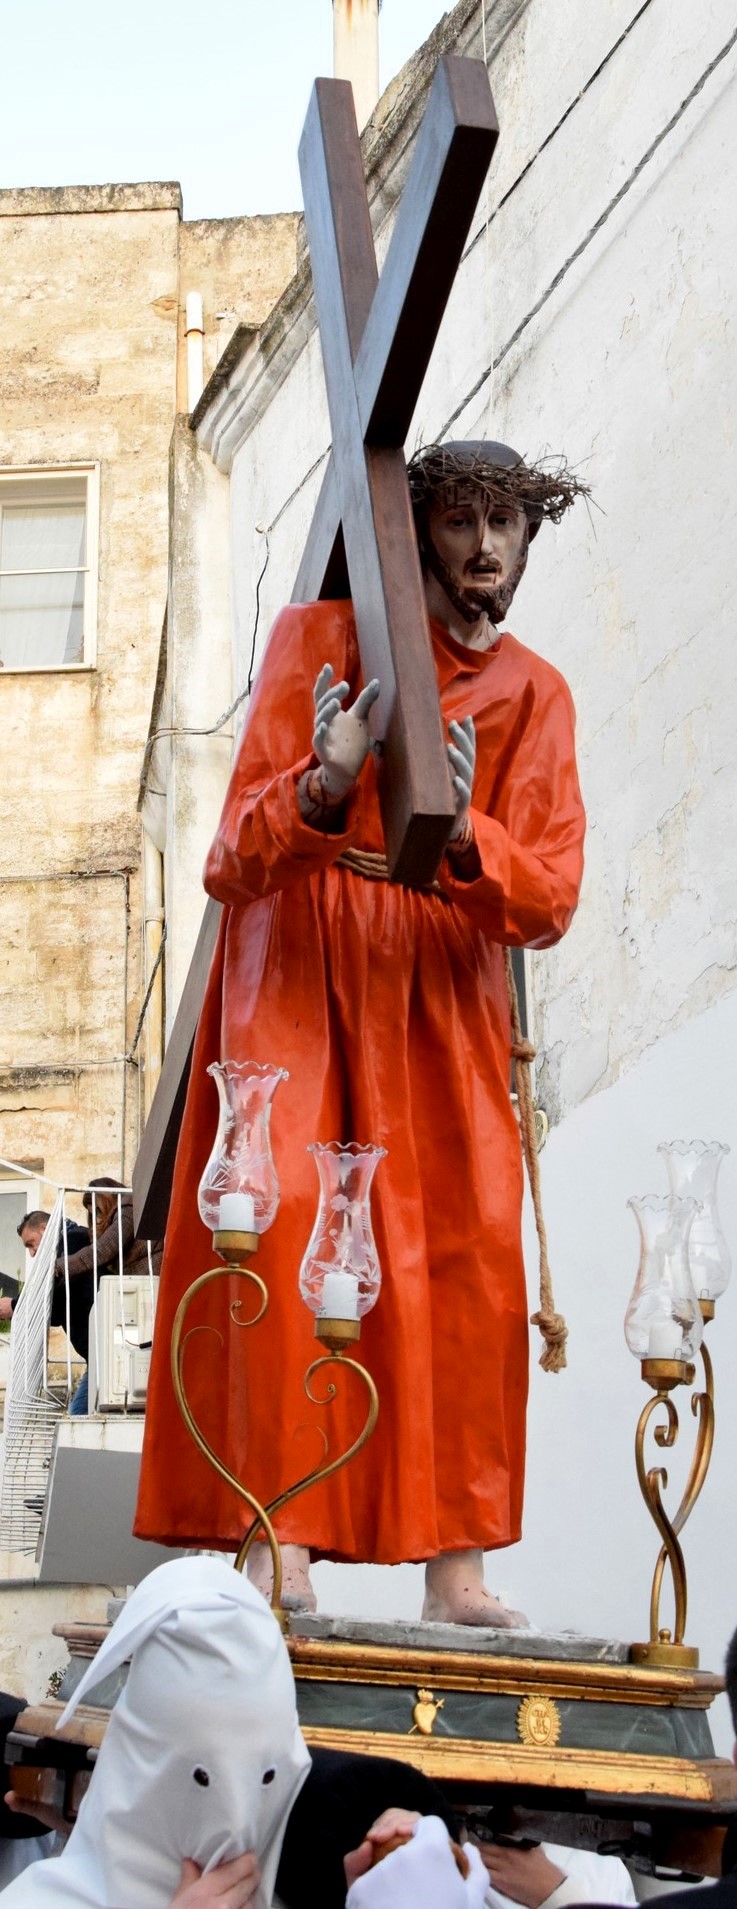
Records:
x=377, y=334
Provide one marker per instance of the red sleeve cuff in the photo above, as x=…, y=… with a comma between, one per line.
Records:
x=280, y=831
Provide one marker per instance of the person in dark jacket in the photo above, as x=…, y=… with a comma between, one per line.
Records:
x=31, y=1231
x=111, y=1237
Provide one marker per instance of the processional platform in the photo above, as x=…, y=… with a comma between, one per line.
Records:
x=558, y=1738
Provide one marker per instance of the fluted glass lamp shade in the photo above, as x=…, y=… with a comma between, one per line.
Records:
x=340, y=1275
x=239, y=1189
x=663, y=1319
x=693, y=1170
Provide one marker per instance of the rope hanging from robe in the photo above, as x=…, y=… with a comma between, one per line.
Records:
x=371, y=864
x=552, y=1324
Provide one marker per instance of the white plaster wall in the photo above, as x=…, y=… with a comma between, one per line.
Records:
x=190, y=766
x=29, y=1653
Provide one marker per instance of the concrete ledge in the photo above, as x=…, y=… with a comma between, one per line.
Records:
x=29, y=202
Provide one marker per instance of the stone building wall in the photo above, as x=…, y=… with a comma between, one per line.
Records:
x=92, y=288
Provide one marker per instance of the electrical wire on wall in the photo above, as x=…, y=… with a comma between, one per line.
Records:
x=243, y=694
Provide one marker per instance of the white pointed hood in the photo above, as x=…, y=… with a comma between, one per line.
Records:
x=202, y=1757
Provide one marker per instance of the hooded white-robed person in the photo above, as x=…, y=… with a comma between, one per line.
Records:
x=202, y=1758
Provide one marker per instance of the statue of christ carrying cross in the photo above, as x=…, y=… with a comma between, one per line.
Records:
x=388, y=1004
x=368, y=900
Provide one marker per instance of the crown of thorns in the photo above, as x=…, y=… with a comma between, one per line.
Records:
x=546, y=489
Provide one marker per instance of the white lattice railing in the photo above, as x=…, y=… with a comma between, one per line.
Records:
x=33, y=1405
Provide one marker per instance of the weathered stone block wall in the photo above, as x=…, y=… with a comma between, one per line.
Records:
x=240, y=267
x=88, y=351
x=93, y=282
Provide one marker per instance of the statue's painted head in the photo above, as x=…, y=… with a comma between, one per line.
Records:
x=477, y=505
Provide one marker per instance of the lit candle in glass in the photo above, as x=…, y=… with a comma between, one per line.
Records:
x=237, y=1213
x=693, y=1169
x=663, y=1318
x=239, y=1189
x=339, y=1296
x=340, y=1274
x=665, y=1340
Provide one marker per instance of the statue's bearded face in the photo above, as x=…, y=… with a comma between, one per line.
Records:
x=481, y=547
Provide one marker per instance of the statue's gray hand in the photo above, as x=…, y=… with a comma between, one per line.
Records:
x=341, y=739
x=462, y=759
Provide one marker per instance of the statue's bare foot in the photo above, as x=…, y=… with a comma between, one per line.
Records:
x=296, y=1592
x=455, y=1593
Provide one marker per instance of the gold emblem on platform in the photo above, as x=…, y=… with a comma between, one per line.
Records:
x=425, y=1712
x=538, y=1721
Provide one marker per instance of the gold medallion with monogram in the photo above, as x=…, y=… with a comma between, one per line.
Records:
x=538, y=1721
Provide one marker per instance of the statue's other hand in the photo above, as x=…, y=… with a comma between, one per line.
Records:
x=462, y=760
x=341, y=738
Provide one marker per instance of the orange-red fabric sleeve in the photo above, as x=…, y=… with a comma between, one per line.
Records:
x=530, y=843
x=263, y=843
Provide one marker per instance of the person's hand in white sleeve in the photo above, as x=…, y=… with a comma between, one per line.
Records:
x=423, y=1873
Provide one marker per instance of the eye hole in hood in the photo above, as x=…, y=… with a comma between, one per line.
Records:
x=201, y=1776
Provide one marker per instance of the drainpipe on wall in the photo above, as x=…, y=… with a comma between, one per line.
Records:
x=194, y=332
x=356, y=51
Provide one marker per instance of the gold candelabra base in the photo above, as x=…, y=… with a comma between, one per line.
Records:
x=236, y=1249
x=338, y=1333
x=663, y=1648
x=665, y=1654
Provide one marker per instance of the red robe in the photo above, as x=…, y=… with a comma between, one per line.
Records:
x=389, y=1008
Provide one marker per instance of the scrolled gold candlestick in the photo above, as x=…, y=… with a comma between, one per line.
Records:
x=236, y=1248
x=664, y=1328
x=336, y=1334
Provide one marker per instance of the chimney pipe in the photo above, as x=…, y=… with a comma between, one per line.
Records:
x=194, y=332
x=356, y=51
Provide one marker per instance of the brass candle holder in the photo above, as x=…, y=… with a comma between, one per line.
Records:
x=338, y=1335
x=236, y=1249
x=663, y=1647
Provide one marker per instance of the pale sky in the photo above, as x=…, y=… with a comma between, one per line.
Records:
x=212, y=94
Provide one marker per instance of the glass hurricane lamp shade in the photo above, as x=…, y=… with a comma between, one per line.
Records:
x=340, y=1275
x=693, y=1170
x=663, y=1319
x=239, y=1189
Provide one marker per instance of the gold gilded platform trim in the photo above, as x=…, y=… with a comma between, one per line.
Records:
x=601, y=1772
x=326, y=1661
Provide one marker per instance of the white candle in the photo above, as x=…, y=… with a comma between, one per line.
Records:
x=339, y=1296
x=665, y=1340
x=237, y=1213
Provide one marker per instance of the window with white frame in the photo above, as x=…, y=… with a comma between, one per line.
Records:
x=18, y=1196
x=48, y=567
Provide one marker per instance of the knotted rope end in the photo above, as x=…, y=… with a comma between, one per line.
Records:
x=555, y=1333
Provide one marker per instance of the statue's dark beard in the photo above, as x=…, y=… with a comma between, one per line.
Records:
x=473, y=603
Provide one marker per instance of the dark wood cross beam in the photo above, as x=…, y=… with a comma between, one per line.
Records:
x=377, y=336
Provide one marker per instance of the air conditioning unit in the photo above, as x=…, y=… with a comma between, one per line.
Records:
x=125, y=1320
